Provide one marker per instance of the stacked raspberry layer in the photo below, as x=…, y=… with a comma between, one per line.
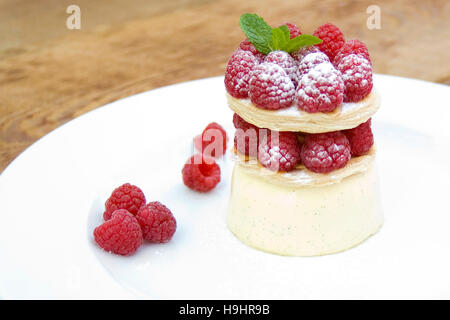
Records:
x=315, y=78
x=285, y=151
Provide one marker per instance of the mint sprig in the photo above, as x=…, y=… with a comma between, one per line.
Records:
x=257, y=31
x=267, y=39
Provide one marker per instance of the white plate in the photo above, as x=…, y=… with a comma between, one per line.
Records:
x=52, y=197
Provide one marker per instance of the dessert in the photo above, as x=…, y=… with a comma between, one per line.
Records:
x=304, y=181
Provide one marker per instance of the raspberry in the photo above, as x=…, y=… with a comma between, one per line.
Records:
x=282, y=154
x=303, y=51
x=321, y=89
x=237, y=74
x=270, y=87
x=357, y=75
x=209, y=135
x=332, y=39
x=201, y=173
x=293, y=30
x=284, y=60
x=248, y=46
x=240, y=123
x=246, y=137
x=246, y=141
x=127, y=197
x=360, y=138
x=310, y=61
x=325, y=152
x=120, y=235
x=157, y=222
x=351, y=46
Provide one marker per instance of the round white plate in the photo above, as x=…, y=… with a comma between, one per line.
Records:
x=52, y=198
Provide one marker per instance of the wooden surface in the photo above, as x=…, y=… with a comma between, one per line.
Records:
x=50, y=75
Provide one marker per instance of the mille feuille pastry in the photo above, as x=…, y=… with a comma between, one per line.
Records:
x=304, y=182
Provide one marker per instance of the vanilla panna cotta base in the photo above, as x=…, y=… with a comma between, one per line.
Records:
x=302, y=213
x=304, y=219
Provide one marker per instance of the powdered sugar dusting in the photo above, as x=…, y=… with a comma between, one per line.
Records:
x=321, y=89
x=356, y=72
x=270, y=87
x=310, y=61
x=284, y=60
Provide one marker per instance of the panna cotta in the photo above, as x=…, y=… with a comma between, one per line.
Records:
x=303, y=215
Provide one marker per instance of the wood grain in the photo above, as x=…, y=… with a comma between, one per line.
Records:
x=50, y=75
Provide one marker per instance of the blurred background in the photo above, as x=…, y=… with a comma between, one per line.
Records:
x=50, y=74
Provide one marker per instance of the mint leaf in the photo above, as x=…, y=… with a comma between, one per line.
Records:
x=301, y=41
x=267, y=39
x=280, y=38
x=258, y=32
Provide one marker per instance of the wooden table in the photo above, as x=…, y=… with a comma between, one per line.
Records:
x=50, y=75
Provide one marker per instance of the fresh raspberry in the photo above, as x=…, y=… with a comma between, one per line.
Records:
x=351, y=46
x=321, y=89
x=310, y=61
x=240, y=123
x=294, y=31
x=121, y=234
x=284, y=60
x=238, y=71
x=325, y=152
x=302, y=52
x=282, y=154
x=332, y=39
x=248, y=46
x=246, y=137
x=209, y=135
x=361, y=138
x=157, y=222
x=357, y=75
x=246, y=141
x=270, y=87
x=126, y=197
x=201, y=173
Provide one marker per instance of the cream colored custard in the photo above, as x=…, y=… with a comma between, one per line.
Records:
x=346, y=116
x=284, y=216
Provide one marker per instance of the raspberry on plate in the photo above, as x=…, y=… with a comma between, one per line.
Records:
x=310, y=61
x=325, y=152
x=248, y=46
x=351, y=46
x=270, y=87
x=128, y=197
x=279, y=154
x=121, y=234
x=302, y=52
x=356, y=72
x=237, y=75
x=210, y=147
x=157, y=222
x=201, y=173
x=321, y=89
x=284, y=60
x=361, y=138
x=332, y=39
